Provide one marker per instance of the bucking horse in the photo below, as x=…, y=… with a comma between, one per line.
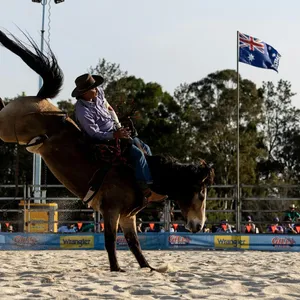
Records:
x=44, y=129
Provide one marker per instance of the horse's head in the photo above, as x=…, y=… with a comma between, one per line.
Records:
x=193, y=209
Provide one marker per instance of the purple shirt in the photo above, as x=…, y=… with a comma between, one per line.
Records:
x=94, y=118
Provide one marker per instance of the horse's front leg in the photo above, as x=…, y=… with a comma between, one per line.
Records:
x=128, y=225
x=111, y=221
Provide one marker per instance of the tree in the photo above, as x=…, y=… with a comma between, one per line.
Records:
x=210, y=117
x=280, y=127
x=68, y=107
x=110, y=71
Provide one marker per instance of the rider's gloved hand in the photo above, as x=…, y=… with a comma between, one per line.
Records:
x=122, y=133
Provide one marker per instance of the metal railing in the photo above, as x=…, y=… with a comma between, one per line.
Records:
x=221, y=204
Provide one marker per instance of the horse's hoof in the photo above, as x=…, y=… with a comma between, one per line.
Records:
x=118, y=270
x=151, y=269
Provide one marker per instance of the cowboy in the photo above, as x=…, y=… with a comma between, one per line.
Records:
x=99, y=121
x=292, y=213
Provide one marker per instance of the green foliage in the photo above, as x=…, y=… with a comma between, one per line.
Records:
x=110, y=71
x=210, y=119
x=68, y=107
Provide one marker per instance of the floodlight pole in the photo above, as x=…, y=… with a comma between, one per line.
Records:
x=37, y=161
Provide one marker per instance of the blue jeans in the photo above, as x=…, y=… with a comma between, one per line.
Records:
x=138, y=160
x=137, y=142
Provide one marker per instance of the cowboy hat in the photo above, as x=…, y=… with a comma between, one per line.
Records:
x=293, y=206
x=85, y=83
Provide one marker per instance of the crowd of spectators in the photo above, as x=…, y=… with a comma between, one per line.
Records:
x=290, y=224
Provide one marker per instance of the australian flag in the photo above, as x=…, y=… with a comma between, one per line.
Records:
x=256, y=53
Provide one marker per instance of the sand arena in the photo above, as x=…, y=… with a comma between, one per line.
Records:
x=85, y=274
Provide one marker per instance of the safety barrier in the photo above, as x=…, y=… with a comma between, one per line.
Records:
x=152, y=241
x=45, y=214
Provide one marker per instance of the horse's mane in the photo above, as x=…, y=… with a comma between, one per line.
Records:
x=46, y=67
x=169, y=167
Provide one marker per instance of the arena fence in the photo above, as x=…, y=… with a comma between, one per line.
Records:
x=25, y=213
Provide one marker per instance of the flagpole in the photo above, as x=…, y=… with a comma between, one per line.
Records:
x=238, y=137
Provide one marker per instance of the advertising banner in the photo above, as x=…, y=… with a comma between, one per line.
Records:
x=151, y=241
x=188, y=241
x=77, y=242
x=273, y=242
x=231, y=241
x=23, y=241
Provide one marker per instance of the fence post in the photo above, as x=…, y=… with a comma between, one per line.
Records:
x=238, y=209
x=167, y=208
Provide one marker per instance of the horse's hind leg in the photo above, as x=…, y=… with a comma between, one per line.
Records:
x=111, y=221
x=128, y=225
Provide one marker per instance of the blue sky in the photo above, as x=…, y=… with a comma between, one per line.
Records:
x=167, y=41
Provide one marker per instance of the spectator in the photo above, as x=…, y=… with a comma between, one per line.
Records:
x=161, y=216
x=162, y=229
x=249, y=226
x=181, y=225
x=10, y=228
x=139, y=225
x=289, y=226
x=224, y=227
x=89, y=227
x=275, y=227
x=292, y=213
x=205, y=229
x=66, y=229
x=171, y=228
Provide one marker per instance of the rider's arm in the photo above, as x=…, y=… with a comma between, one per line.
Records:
x=109, y=108
x=113, y=114
x=89, y=126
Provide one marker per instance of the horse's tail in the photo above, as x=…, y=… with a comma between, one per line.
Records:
x=46, y=67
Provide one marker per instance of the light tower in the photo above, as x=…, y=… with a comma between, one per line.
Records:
x=37, y=161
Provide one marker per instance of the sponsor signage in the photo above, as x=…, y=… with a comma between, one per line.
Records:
x=231, y=241
x=121, y=241
x=24, y=241
x=179, y=240
x=283, y=242
x=152, y=241
x=77, y=242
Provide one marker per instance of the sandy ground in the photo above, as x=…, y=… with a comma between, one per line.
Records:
x=188, y=275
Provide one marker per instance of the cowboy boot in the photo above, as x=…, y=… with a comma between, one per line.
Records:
x=153, y=197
